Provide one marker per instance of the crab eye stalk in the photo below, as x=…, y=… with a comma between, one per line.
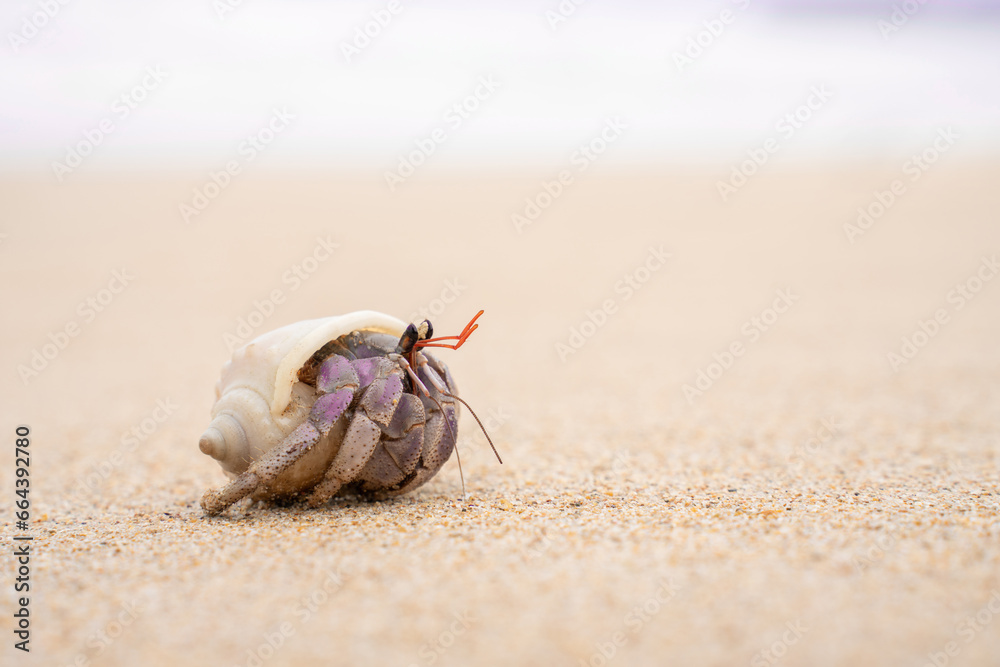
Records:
x=428, y=341
x=426, y=330
x=406, y=341
x=413, y=334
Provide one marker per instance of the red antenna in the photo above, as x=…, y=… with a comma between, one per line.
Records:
x=436, y=342
x=461, y=338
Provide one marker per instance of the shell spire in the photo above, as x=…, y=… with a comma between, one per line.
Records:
x=259, y=400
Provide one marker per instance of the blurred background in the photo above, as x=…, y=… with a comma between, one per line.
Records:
x=362, y=93
x=701, y=232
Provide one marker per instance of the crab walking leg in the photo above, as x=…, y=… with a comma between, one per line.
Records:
x=336, y=377
x=214, y=502
x=325, y=412
x=376, y=408
x=294, y=446
x=438, y=445
x=399, y=452
x=359, y=442
x=442, y=424
x=439, y=429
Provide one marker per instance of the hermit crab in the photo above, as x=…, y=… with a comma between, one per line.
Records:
x=351, y=404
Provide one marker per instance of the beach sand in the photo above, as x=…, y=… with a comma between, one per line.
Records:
x=808, y=505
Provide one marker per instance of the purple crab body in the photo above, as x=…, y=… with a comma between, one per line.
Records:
x=371, y=430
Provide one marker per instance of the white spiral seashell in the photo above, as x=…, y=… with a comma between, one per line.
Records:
x=259, y=399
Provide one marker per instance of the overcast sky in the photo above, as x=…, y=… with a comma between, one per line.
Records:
x=222, y=75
